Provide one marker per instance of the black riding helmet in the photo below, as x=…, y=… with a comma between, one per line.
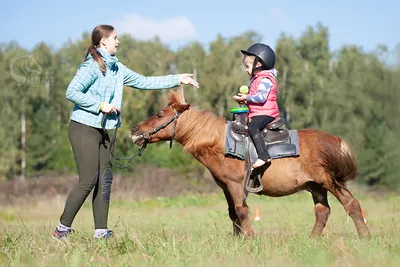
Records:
x=263, y=53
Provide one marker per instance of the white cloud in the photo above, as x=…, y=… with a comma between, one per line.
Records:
x=169, y=29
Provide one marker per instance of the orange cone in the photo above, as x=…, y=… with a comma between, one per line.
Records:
x=364, y=215
x=257, y=216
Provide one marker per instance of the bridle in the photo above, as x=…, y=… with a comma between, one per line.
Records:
x=146, y=136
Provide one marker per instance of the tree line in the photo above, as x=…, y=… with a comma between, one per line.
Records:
x=348, y=92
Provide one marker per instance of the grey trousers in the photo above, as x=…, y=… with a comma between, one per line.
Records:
x=91, y=149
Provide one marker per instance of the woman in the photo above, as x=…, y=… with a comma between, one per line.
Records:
x=96, y=89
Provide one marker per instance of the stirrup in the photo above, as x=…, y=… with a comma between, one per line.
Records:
x=251, y=181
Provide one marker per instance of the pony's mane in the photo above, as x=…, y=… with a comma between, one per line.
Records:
x=199, y=129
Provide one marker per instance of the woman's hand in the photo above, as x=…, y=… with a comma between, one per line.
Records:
x=186, y=78
x=239, y=97
x=109, y=108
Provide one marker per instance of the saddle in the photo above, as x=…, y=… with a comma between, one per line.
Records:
x=275, y=132
x=280, y=142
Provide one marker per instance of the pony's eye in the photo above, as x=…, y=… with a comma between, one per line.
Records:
x=160, y=114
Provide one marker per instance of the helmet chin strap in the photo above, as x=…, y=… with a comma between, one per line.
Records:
x=254, y=66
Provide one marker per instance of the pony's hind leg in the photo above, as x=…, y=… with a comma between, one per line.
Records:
x=352, y=207
x=321, y=208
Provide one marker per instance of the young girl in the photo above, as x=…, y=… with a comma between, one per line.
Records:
x=259, y=61
x=96, y=89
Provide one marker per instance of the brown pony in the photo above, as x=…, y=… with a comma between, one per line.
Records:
x=325, y=163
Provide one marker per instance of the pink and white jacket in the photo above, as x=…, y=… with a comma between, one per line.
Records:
x=270, y=106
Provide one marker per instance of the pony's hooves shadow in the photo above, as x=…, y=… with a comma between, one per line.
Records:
x=365, y=236
x=243, y=235
x=317, y=236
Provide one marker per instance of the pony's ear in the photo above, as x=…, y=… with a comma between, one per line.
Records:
x=184, y=107
x=172, y=97
x=177, y=97
x=181, y=107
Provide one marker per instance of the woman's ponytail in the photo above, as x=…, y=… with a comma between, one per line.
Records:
x=96, y=55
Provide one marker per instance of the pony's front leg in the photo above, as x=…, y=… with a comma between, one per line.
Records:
x=232, y=213
x=242, y=210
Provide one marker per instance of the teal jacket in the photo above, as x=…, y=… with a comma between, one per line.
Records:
x=89, y=88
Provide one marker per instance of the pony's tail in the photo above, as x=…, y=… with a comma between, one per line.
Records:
x=340, y=161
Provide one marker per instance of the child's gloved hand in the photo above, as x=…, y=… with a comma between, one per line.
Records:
x=239, y=97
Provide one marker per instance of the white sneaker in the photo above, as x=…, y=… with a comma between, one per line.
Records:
x=105, y=234
x=259, y=163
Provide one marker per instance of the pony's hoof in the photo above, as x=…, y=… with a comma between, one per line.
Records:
x=365, y=235
x=248, y=234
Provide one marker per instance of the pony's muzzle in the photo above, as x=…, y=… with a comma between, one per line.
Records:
x=138, y=139
x=137, y=136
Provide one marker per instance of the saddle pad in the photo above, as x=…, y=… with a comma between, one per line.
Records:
x=234, y=148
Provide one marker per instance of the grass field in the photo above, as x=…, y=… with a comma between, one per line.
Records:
x=196, y=230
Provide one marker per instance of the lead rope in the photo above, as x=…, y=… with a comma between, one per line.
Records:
x=112, y=145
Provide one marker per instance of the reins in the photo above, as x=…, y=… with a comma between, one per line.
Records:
x=146, y=136
x=112, y=145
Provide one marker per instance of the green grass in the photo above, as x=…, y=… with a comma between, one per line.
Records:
x=195, y=230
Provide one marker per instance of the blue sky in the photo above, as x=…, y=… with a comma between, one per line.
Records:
x=364, y=23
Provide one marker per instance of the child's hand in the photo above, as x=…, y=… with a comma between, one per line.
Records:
x=239, y=97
